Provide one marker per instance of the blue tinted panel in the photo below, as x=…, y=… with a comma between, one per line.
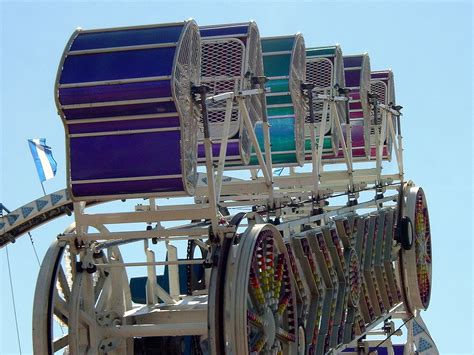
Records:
x=120, y=110
x=126, y=155
x=117, y=65
x=130, y=37
x=237, y=31
x=355, y=61
x=101, y=93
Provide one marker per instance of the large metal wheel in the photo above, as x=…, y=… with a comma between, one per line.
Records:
x=260, y=303
x=72, y=306
x=416, y=271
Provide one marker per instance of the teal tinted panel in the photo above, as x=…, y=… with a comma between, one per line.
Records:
x=276, y=65
x=279, y=100
x=280, y=111
x=282, y=138
x=279, y=85
x=321, y=51
x=326, y=145
x=277, y=44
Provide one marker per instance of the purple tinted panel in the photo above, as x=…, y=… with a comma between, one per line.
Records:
x=358, y=142
x=352, y=77
x=355, y=105
x=355, y=94
x=118, y=65
x=353, y=61
x=232, y=150
x=373, y=152
x=399, y=349
x=127, y=155
x=356, y=114
x=379, y=75
x=128, y=187
x=225, y=30
x=357, y=134
x=162, y=122
x=130, y=91
x=129, y=37
x=120, y=110
x=378, y=351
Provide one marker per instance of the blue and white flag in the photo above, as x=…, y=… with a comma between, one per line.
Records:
x=278, y=171
x=43, y=157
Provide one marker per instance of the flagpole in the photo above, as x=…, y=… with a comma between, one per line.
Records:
x=41, y=182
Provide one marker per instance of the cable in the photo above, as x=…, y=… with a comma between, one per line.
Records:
x=13, y=300
x=34, y=248
x=390, y=335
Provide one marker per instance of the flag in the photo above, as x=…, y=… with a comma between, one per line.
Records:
x=278, y=171
x=43, y=157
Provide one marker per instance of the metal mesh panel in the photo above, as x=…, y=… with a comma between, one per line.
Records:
x=339, y=79
x=297, y=77
x=185, y=74
x=381, y=89
x=320, y=72
x=364, y=90
x=255, y=103
x=221, y=70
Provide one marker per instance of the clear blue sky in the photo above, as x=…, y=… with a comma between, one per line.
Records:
x=428, y=45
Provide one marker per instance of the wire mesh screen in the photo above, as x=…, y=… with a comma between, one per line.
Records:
x=222, y=69
x=319, y=71
x=380, y=89
x=187, y=73
x=297, y=77
x=255, y=103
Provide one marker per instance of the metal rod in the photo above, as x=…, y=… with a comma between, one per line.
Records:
x=202, y=90
x=253, y=137
x=153, y=263
x=153, y=330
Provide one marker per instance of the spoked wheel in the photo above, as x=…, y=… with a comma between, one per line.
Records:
x=72, y=306
x=195, y=273
x=417, y=261
x=259, y=303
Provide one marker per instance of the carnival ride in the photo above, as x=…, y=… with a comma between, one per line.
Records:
x=313, y=262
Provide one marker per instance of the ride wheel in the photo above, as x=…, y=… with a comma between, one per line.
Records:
x=416, y=261
x=260, y=303
x=72, y=306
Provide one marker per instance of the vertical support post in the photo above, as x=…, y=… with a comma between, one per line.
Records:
x=173, y=271
x=202, y=91
x=346, y=149
x=151, y=275
x=78, y=212
x=308, y=89
x=223, y=150
x=261, y=80
x=253, y=137
x=378, y=155
x=399, y=138
x=409, y=346
x=319, y=155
